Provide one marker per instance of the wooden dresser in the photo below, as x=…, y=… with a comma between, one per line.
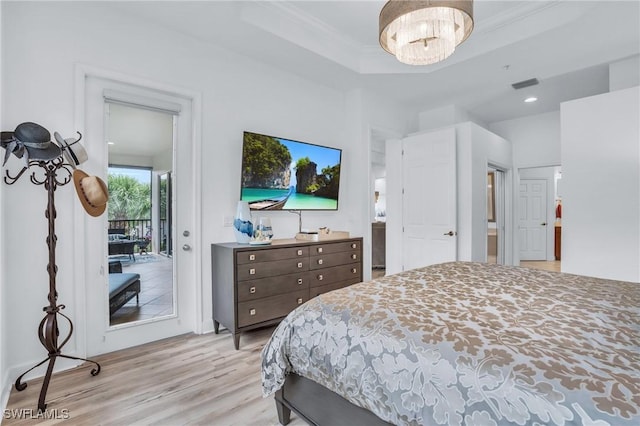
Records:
x=256, y=286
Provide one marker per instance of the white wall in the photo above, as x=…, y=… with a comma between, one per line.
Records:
x=5, y=380
x=365, y=112
x=394, y=237
x=601, y=185
x=238, y=94
x=477, y=148
x=624, y=74
x=445, y=116
x=535, y=139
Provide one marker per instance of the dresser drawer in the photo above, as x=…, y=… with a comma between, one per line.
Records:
x=316, y=291
x=268, y=255
x=249, y=271
x=271, y=286
x=326, y=248
x=260, y=310
x=351, y=272
x=333, y=259
x=257, y=286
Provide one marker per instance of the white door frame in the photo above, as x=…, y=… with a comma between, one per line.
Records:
x=82, y=72
x=501, y=213
x=386, y=134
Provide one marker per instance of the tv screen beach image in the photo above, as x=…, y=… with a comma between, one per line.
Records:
x=282, y=174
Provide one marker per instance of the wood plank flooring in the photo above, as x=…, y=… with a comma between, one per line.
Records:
x=185, y=380
x=189, y=379
x=551, y=265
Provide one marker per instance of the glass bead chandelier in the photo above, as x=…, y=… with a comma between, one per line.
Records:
x=424, y=32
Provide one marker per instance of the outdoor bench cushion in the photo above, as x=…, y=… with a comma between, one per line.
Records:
x=122, y=288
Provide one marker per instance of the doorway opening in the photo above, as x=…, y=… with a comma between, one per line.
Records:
x=140, y=145
x=495, y=215
x=378, y=223
x=104, y=94
x=539, y=217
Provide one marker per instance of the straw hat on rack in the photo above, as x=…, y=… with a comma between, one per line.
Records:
x=92, y=192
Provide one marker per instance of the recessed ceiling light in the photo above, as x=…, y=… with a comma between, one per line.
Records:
x=531, y=99
x=113, y=143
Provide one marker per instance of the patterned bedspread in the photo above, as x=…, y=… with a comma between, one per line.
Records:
x=471, y=344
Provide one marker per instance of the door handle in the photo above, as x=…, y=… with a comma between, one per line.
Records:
x=186, y=247
x=543, y=224
x=450, y=233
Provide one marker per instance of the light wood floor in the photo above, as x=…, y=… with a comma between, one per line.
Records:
x=541, y=264
x=189, y=379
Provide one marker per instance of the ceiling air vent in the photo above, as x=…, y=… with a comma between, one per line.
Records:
x=525, y=83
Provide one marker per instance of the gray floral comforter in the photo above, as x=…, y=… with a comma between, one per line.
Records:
x=473, y=344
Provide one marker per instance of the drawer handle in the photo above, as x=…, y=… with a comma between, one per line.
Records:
x=320, y=277
x=354, y=256
x=252, y=257
x=354, y=270
x=320, y=261
x=252, y=271
x=252, y=312
x=299, y=281
x=299, y=300
x=299, y=252
x=252, y=290
x=299, y=264
x=319, y=249
x=354, y=245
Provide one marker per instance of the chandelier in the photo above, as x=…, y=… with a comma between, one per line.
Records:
x=424, y=32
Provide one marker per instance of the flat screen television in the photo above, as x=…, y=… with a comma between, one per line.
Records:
x=283, y=174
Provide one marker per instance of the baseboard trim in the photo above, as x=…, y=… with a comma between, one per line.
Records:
x=207, y=326
x=5, y=392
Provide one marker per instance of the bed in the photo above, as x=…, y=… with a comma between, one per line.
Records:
x=461, y=343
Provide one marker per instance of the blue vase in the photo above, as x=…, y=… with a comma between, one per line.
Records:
x=242, y=224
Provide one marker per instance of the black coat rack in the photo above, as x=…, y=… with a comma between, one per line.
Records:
x=56, y=173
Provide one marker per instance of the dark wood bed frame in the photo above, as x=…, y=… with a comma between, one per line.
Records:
x=319, y=406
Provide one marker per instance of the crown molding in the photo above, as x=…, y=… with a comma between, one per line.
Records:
x=290, y=23
x=313, y=24
x=513, y=24
x=510, y=16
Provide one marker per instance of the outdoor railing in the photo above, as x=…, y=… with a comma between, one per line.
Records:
x=140, y=229
x=135, y=228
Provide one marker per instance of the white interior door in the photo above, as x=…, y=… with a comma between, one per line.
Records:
x=101, y=337
x=429, y=199
x=532, y=223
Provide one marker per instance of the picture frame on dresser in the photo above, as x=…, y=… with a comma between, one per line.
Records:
x=257, y=286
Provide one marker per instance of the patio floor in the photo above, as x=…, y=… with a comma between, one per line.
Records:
x=156, y=288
